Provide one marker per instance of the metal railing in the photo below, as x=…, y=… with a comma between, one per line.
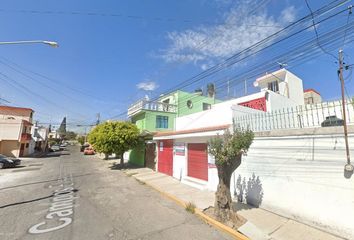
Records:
x=152, y=106
x=315, y=115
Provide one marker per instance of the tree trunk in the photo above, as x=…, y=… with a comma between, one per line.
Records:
x=122, y=160
x=224, y=210
x=105, y=156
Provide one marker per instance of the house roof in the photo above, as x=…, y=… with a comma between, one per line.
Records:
x=311, y=90
x=15, y=110
x=195, y=130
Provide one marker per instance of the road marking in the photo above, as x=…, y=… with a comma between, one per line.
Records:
x=60, y=210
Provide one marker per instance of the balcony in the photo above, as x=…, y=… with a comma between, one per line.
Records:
x=26, y=137
x=151, y=106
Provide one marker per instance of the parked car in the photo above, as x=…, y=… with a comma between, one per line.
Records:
x=55, y=148
x=82, y=148
x=6, y=162
x=89, y=151
x=332, y=121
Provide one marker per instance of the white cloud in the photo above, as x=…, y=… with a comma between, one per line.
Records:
x=239, y=31
x=147, y=86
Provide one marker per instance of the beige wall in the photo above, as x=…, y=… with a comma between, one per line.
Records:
x=10, y=148
x=312, y=98
x=10, y=129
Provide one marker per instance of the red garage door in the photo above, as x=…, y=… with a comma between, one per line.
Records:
x=165, y=162
x=198, y=161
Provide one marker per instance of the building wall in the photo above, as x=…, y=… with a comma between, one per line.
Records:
x=315, y=97
x=137, y=155
x=296, y=90
x=300, y=177
x=220, y=113
x=139, y=120
x=10, y=148
x=150, y=121
x=197, y=101
x=278, y=102
x=10, y=129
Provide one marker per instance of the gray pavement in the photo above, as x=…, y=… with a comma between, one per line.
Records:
x=79, y=197
x=262, y=224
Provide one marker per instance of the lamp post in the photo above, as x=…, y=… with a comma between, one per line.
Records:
x=50, y=43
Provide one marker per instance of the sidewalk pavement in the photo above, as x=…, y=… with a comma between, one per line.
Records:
x=261, y=224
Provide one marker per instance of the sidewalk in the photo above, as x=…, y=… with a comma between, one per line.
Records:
x=261, y=224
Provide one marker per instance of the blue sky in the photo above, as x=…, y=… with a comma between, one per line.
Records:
x=104, y=63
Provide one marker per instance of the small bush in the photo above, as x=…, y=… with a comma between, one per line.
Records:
x=190, y=207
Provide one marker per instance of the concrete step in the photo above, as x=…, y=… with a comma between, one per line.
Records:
x=194, y=182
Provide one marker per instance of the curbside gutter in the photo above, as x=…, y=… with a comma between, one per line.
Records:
x=226, y=229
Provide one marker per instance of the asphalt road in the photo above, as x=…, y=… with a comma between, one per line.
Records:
x=72, y=196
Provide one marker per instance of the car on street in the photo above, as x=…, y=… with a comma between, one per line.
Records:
x=6, y=162
x=55, y=148
x=332, y=121
x=89, y=151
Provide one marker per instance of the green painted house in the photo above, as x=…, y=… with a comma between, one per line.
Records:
x=160, y=115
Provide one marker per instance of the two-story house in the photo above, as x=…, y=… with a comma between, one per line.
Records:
x=15, y=130
x=159, y=116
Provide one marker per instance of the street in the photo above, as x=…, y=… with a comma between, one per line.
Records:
x=72, y=196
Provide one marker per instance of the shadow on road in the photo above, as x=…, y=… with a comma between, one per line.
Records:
x=117, y=166
x=32, y=200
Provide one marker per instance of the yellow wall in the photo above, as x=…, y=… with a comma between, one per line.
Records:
x=10, y=148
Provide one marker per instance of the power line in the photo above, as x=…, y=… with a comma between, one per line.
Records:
x=320, y=11
x=118, y=15
x=315, y=29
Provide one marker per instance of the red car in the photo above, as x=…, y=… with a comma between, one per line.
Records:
x=89, y=151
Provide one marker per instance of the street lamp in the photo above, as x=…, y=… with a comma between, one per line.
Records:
x=50, y=43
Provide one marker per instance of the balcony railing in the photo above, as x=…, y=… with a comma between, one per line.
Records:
x=26, y=136
x=152, y=106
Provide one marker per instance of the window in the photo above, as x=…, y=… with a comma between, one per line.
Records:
x=27, y=145
x=161, y=122
x=309, y=100
x=273, y=86
x=206, y=106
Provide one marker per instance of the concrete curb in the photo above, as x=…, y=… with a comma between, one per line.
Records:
x=235, y=234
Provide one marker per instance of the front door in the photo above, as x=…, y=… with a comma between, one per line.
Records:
x=198, y=161
x=150, y=155
x=165, y=163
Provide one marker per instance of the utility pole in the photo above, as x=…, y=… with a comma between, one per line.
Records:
x=98, y=116
x=348, y=166
x=228, y=89
x=245, y=87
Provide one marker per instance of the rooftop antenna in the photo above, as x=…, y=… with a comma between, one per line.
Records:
x=282, y=65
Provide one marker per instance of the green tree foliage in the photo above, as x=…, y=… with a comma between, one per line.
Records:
x=114, y=137
x=81, y=139
x=228, y=150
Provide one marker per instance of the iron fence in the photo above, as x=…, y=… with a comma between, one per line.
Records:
x=314, y=115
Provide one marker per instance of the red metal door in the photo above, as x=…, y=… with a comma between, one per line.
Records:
x=165, y=161
x=198, y=161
